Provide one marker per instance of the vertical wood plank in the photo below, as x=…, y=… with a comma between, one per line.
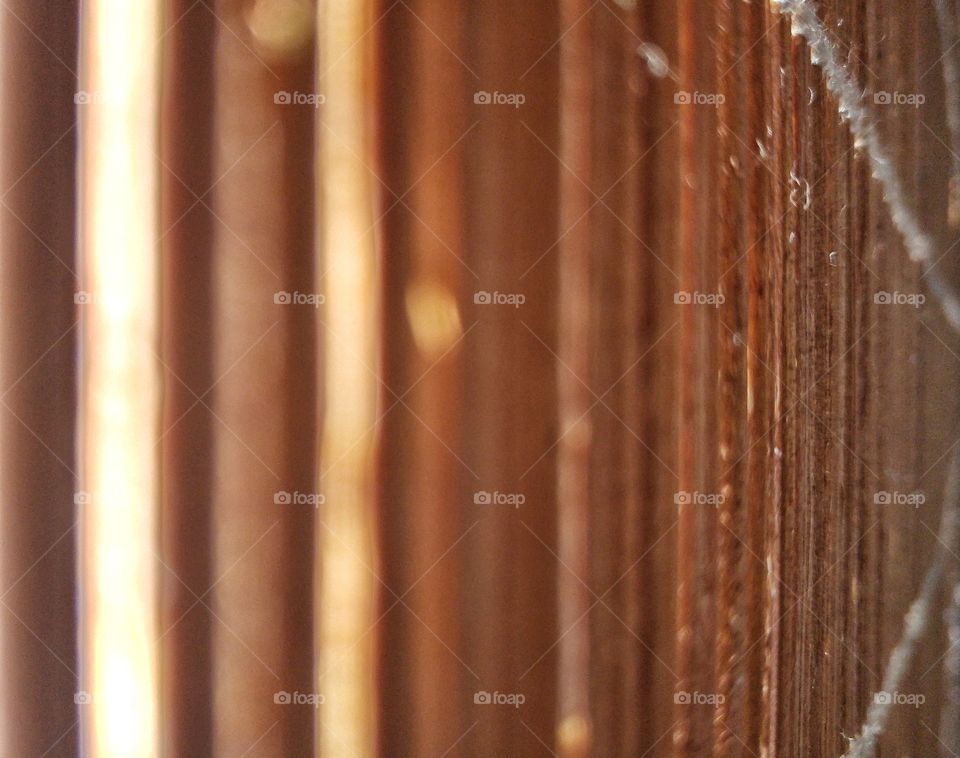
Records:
x=428, y=513
x=187, y=427
x=512, y=228
x=120, y=381
x=350, y=274
x=263, y=315
x=38, y=347
x=574, y=402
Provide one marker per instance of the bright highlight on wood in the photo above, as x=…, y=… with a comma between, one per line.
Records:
x=473, y=379
x=120, y=377
x=348, y=274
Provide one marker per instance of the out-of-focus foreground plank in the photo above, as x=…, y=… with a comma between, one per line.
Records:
x=577, y=265
x=38, y=338
x=120, y=382
x=617, y=335
x=428, y=674
x=477, y=214
x=701, y=197
x=263, y=394
x=185, y=238
x=510, y=415
x=347, y=615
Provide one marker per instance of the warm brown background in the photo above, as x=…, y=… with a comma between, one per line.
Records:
x=600, y=398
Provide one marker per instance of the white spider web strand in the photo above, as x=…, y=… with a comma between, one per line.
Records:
x=947, y=28
x=949, y=721
x=824, y=53
x=915, y=622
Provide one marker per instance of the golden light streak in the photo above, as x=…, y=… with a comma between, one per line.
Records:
x=346, y=542
x=120, y=380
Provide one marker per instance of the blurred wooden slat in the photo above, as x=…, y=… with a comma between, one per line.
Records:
x=187, y=130
x=428, y=680
x=573, y=369
x=38, y=345
x=120, y=381
x=263, y=364
x=697, y=269
x=511, y=418
x=628, y=459
x=348, y=533
x=652, y=572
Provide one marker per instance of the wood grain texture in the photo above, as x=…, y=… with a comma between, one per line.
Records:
x=630, y=264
